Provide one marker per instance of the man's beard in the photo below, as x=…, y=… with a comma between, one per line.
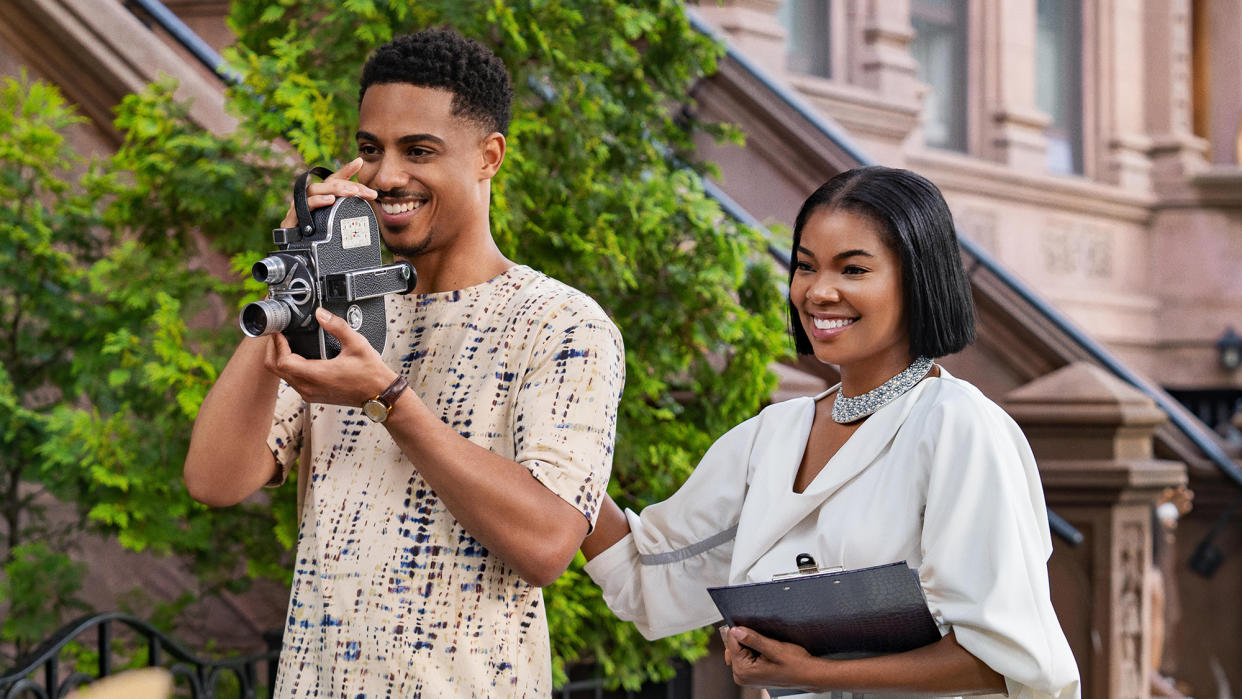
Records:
x=407, y=252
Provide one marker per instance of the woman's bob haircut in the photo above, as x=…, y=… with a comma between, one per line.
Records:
x=917, y=225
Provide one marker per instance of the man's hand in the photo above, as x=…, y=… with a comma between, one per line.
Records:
x=338, y=184
x=759, y=661
x=351, y=378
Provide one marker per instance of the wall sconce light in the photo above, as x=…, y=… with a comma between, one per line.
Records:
x=1229, y=350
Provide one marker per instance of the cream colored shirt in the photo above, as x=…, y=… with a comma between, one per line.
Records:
x=391, y=597
x=940, y=478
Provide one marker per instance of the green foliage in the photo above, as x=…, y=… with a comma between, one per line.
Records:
x=100, y=268
x=39, y=586
x=590, y=183
x=45, y=229
x=102, y=308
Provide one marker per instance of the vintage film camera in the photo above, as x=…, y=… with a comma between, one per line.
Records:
x=330, y=259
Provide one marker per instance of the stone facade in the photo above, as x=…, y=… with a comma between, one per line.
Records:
x=1137, y=238
x=1110, y=246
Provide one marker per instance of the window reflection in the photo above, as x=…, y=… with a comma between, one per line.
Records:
x=939, y=48
x=807, y=22
x=1058, y=80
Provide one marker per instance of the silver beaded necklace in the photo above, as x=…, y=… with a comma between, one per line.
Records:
x=847, y=410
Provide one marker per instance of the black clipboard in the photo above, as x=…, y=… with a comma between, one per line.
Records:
x=852, y=613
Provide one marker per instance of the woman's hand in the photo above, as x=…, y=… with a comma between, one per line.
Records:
x=943, y=668
x=759, y=661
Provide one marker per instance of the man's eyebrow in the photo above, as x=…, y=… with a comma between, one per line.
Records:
x=404, y=140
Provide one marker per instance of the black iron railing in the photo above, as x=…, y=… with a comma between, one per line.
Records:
x=50, y=672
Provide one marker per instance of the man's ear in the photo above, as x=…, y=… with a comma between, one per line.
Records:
x=493, y=151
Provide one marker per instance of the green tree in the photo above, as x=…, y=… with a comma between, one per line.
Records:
x=35, y=277
x=101, y=374
x=600, y=188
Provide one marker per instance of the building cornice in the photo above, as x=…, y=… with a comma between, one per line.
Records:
x=99, y=52
x=957, y=173
x=1214, y=187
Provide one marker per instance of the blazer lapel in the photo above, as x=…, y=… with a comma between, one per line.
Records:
x=771, y=507
x=768, y=511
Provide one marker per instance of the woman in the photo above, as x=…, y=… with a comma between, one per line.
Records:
x=900, y=461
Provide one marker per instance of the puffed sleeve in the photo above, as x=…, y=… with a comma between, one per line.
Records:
x=286, y=433
x=658, y=575
x=986, y=546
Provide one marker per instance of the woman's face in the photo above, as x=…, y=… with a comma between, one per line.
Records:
x=846, y=288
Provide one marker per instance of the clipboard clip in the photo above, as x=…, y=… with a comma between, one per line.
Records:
x=806, y=566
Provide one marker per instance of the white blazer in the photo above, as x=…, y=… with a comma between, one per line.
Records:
x=941, y=478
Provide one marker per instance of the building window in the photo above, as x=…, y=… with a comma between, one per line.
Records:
x=939, y=48
x=807, y=22
x=1058, y=81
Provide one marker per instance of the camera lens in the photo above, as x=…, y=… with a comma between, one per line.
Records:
x=269, y=270
x=265, y=317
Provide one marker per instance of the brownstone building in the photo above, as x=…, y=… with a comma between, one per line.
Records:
x=1090, y=152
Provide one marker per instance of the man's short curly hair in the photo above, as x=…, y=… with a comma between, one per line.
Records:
x=446, y=60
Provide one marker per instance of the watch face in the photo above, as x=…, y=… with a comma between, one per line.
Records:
x=375, y=410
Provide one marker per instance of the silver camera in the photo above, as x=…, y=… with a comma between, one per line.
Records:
x=330, y=259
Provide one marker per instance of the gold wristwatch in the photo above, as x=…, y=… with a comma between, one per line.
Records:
x=378, y=407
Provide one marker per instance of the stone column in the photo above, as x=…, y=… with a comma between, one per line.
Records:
x=1092, y=436
x=1013, y=127
x=1118, y=81
x=1175, y=150
x=1217, y=86
x=885, y=62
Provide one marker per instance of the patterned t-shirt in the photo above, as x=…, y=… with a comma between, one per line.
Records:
x=391, y=597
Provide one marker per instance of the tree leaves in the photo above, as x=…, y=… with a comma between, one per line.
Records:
x=103, y=369
x=39, y=587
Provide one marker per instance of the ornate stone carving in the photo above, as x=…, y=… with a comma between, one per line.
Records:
x=1131, y=568
x=1180, y=64
x=1057, y=246
x=1077, y=249
x=1097, y=247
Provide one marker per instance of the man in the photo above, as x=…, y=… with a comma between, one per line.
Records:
x=428, y=527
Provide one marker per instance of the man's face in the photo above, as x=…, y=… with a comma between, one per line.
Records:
x=428, y=166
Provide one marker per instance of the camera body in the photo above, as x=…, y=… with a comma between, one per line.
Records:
x=330, y=259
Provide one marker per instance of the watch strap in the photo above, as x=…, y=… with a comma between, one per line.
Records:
x=389, y=396
x=377, y=408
